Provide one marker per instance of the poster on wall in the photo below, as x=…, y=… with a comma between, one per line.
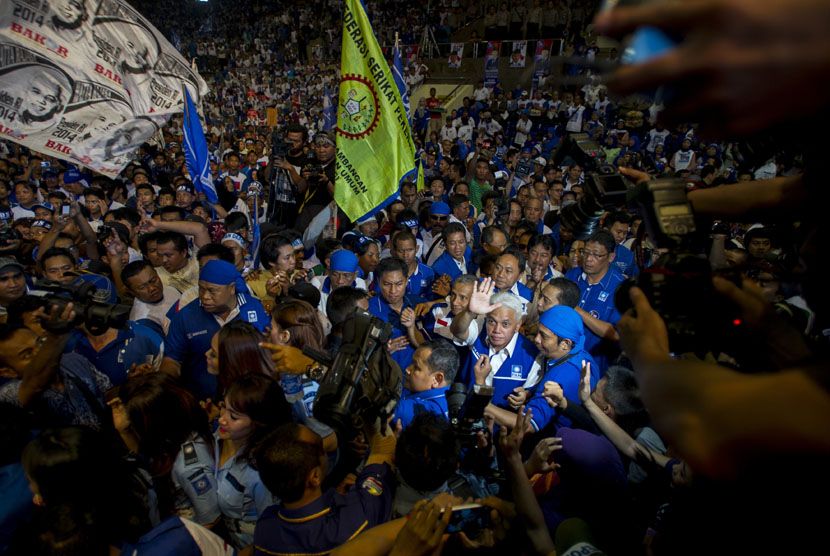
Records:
x=518, y=54
x=541, y=59
x=491, y=63
x=456, y=54
x=87, y=82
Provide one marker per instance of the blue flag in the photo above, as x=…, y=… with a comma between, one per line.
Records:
x=176, y=40
x=207, y=26
x=255, y=189
x=397, y=72
x=329, y=115
x=196, y=151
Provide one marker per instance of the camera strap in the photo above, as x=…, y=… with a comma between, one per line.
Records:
x=438, y=241
x=560, y=361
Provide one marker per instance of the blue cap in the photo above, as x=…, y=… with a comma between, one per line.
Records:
x=105, y=290
x=222, y=273
x=44, y=205
x=42, y=224
x=565, y=323
x=343, y=260
x=440, y=208
x=73, y=175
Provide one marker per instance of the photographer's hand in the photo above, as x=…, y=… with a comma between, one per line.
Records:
x=40, y=372
x=643, y=333
x=288, y=359
x=737, y=59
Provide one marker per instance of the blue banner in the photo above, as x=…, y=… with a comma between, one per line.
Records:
x=329, y=114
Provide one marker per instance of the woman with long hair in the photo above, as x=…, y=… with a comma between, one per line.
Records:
x=254, y=406
x=235, y=352
x=163, y=423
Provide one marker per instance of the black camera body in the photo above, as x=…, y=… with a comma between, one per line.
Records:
x=279, y=146
x=90, y=309
x=466, y=409
x=363, y=383
x=8, y=235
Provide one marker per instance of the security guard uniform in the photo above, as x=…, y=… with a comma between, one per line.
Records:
x=194, y=482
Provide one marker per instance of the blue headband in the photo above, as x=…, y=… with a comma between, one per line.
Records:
x=222, y=273
x=411, y=223
x=440, y=208
x=230, y=236
x=565, y=323
x=343, y=260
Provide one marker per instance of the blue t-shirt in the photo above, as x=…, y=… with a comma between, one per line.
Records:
x=598, y=301
x=420, y=282
x=624, y=261
x=382, y=310
x=189, y=336
x=445, y=264
x=135, y=344
x=568, y=375
x=429, y=401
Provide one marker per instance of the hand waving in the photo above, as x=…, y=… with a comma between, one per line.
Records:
x=480, y=300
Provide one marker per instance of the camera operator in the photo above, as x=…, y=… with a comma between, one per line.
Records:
x=288, y=186
x=57, y=388
x=319, y=191
x=12, y=284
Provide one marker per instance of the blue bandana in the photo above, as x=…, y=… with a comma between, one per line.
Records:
x=222, y=273
x=411, y=223
x=565, y=323
x=230, y=236
x=343, y=261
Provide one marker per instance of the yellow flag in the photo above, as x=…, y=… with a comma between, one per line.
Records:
x=374, y=143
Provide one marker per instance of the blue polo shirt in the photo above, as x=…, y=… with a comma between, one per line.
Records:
x=568, y=375
x=429, y=401
x=189, y=336
x=445, y=264
x=624, y=261
x=598, y=301
x=324, y=524
x=382, y=310
x=135, y=344
x=420, y=282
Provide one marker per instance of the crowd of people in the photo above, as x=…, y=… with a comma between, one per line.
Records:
x=154, y=393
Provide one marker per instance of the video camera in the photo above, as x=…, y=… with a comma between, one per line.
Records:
x=8, y=235
x=466, y=409
x=363, y=383
x=89, y=306
x=279, y=146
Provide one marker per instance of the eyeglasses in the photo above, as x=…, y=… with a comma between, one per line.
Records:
x=435, y=217
x=594, y=255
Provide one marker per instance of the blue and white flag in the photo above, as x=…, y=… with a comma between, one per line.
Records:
x=397, y=73
x=196, y=151
x=207, y=26
x=329, y=114
x=176, y=40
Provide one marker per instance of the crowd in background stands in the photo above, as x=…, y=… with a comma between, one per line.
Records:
x=201, y=406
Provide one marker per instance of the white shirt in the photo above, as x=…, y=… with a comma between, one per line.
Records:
x=497, y=358
x=156, y=312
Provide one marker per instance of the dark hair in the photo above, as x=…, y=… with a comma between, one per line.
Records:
x=166, y=191
x=404, y=215
x=127, y=214
x=707, y=170
x=342, y=302
x=545, y=240
x=618, y=216
x=284, y=461
x=520, y=257
x=453, y=228
x=57, y=252
x=403, y=235
x=171, y=209
x=28, y=185
x=146, y=186
x=325, y=246
x=300, y=318
x=215, y=250
x=569, y=293
x=95, y=191
x=134, y=268
x=362, y=248
x=269, y=251
x=236, y=221
x=427, y=452
x=489, y=194
x=390, y=264
x=443, y=357
x=623, y=394
x=459, y=167
x=297, y=128
x=178, y=240
x=78, y=469
x=262, y=399
x=759, y=233
x=605, y=239
x=489, y=231
x=457, y=200
x=144, y=239
x=239, y=353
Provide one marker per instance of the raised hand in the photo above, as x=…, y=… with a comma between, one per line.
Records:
x=482, y=369
x=480, y=300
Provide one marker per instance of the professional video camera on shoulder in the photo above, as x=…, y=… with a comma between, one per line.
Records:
x=466, y=409
x=89, y=303
x=363, y=383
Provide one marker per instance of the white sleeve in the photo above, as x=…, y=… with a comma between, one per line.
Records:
x=472, y=334
x=535, y=374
